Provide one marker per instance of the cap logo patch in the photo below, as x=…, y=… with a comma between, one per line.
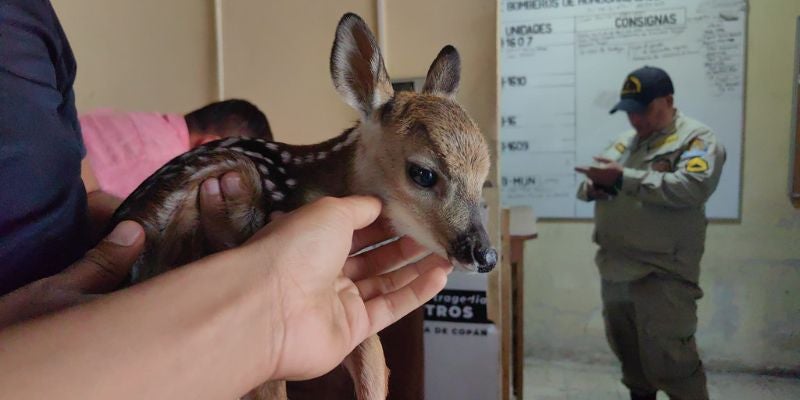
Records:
x=632, y=85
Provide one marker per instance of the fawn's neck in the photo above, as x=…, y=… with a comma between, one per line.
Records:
x=323, y=169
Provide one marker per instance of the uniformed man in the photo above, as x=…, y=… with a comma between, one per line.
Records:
x=650, y=188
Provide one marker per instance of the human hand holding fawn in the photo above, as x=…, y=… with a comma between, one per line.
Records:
x=103, y=268
x=329, y=302
x=290, y=303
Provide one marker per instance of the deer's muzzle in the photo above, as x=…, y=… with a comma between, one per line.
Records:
x=473, y=251
x=485, y=258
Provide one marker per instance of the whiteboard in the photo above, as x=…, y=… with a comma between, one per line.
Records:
x=563, y=65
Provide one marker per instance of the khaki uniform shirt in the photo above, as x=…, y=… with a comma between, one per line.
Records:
x=657, y=222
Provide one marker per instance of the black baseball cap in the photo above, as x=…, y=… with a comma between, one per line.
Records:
x=641, y=87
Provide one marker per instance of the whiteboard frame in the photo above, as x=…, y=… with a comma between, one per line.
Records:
x=742, y=139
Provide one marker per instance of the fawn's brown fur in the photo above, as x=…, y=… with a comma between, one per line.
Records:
x=420, y=154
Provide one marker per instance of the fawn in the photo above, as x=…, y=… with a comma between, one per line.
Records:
x=421, y=154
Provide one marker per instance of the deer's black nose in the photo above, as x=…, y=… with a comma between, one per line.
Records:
x=486, y=258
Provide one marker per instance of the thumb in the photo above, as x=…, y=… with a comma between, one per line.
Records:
x=362, y=210
x=603, y=160
x=104, y=267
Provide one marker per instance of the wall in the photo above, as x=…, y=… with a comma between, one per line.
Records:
x=750, y=315
x=470, y=27
x=144, y=55
x=276, y=55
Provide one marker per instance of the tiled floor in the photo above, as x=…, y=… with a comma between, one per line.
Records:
x=561, y=380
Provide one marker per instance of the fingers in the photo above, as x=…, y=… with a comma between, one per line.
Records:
x=602, y=160
x=582, y=170
x=386, y=309
x=598, y=194
x=357, y=211
x=375, y=233
x=343, y=216
x=354, y=212
x=215, y=197
x=360, y=211
x=213, y=215
x=393, y=281
x=383, y=259
x=37, y=298
x=104, y=267
x=232, y=188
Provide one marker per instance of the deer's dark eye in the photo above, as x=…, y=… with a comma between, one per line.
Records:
x=422, y=176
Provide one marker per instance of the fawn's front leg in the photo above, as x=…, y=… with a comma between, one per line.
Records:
x=273, y=390
x=367, y=367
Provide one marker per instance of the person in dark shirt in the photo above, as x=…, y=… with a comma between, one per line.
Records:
x=43, y=206
x=47, y=221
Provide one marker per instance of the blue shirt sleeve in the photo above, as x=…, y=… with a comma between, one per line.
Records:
x=43, y=208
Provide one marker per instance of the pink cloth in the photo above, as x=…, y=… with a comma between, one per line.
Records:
x=124, y=148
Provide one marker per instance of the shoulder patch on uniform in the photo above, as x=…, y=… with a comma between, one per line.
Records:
x=697, y=144
x=620, y=147
x=697, y=164
x=665, y=140
x=693, y=153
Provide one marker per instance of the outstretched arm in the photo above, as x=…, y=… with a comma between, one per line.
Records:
x=290, y=303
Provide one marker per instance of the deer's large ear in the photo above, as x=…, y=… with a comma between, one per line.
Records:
x=444, y=74
x=357, y=67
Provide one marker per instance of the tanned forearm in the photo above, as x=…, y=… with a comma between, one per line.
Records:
x=198, y=332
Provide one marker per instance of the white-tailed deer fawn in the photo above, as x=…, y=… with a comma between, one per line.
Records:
x=420, y=153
